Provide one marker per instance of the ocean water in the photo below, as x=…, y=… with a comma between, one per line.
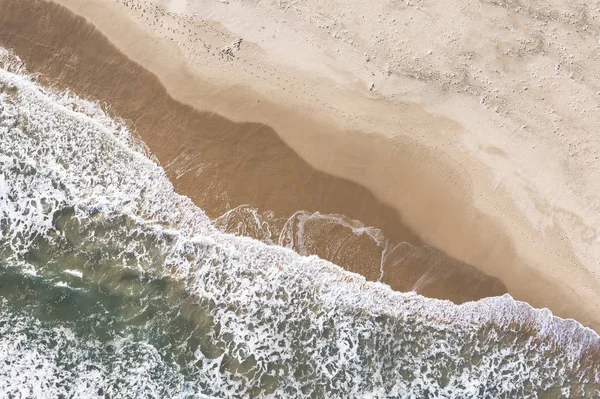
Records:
x=114, y=286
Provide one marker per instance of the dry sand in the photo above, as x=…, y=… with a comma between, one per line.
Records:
x=468, y=127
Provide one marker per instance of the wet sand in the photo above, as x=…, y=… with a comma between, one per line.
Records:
x=221, y=163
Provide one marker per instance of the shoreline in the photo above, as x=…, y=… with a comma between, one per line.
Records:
x=435, y=217
x=222, y=165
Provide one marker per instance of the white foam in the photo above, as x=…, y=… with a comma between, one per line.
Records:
x=41, y=361
x=75, y=273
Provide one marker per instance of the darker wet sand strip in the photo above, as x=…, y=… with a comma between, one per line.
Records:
x=221, y=164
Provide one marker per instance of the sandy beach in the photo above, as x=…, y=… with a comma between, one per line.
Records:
x=472, y=151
